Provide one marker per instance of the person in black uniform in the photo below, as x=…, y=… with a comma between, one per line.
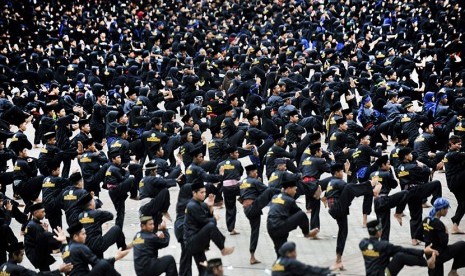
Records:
x=410, y=122
x=256, y=136
x=163, y=169
x=118, y=182
x=339, y=142
x=217, y=146
x=51, y=152
x=233, y=134
x=436, y=235
x=92, y=219
x=123, y=145
x=232, y=173
x=278, y=151
x=70, y=196
x=339, y=196
x=293, y=131
x=64, y=126
x=38, y=241
x=425, y=145
x=52, y=187
x=361, y=159
x=93, y=165
x=26, y=180
x=154, y=136
x=384, y=258
x=6, y=178
x=80, y=256
x=284, y=216
x=16, y=255
x=402, y=142
x=84, y=135
x=200, y=226
x=287, y=264
x=414, y=177
x=146, y=245
x=195, y=172
x=312, y=167
x=254, y=196
x=385, y=202
x=281, y=174
x=154, y=194
x=454, y=162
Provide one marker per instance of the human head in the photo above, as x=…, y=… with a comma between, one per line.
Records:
x=374, y=228
x=198, y=191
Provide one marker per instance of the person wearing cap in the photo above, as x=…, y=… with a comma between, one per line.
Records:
x=232, y=133
x=339, y=195
x=410, y=122
x=353, y=128
x=80, y=256
x=47, y=121
x=427, y=147
x=361, y=161
x=384, y=258
x=200, y=226
x=92, y=219
x=214, y=267
x=402, y=142
x=187, y=145
x=336, y=113
x=154, y=194
x=70, y=196
x=52, y=187
x=93, y=164
x=5, y=155
x=385, y=202
x=146, y=244
x=293, y=130
x=339, y=142
x=312, y=167
x=163, y=168
x=64, y=126
x=393, y=107
x=256, y=136
x=51, y=152
x=7, y=236
x=278, y=151
x=233, y=171
x=281, y=174
x=84, y=134
x=99, y=112
x=284, y=216
x=118, y=181
x=287, y=263
x=15, y=258
x=26, y=179
x=453, y=165
x=19, y=135
x=254, y=196
x=152, y=137
x=436, y=235
x=414, y=176
x=40, y=243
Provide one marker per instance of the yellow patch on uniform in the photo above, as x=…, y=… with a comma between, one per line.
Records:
x=188, y=171
x=153, y=139
x=141, y=184
x=333, y=137
x=307, y=151
x=70, y=197
x=356, y=154
x=395, y=155
x=138, y=241
x=307, y=163
x=223, y=125
x=445, y=160
x=427, y=227
x=245, y=185
x=405, y=119
x=278, y=267
x=286, y=132
x=43, y=150
x=228, y=167
x=460, y=128
x=108, y=173
x=211, y=144
x=14, y=139
x=85, y=159
x=17, y=168
x=247, y=134
x=87, y=220
x=278, y=200
x=116, y=144
x=273, y=177
x=420, y=139
x=370, y=253
x=65, y=254
x=48, y=184
x=403, y=173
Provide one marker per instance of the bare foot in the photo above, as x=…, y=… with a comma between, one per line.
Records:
x=398, y=217
x=337, y=266
x=453, y=273
x=254, y=261
x=431, y=262
x=312, y=233
x=456, y=230
x=167, y=216
x=309, y=211
x=234, y=232
x=377, y=190
x=325, y=201
x=415, y=242
x=426, y=205
x=227, y=251
x=365, y=218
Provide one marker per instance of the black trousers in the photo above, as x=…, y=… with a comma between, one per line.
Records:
x=118, y=196
x=280, y=234
x=383, y=206
x=136, y=170
x=103, y=268
x=197, y=244
x=340, y=209
x=165, y=264
x=460, y=212
x=100, y=244
x=93, y=184
x=157, y=206
x=54, y=217
x=311, y=203
x=400, y=259
x=7, y=237
x=30, y=189
x=453, y=251
x=230, y=194
x=417, y=194
x=236, y=139
x=185, y=263
x=254, y=213
x=66, y=167
x=6, y=178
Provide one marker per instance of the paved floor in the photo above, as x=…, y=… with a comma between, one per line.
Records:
x=316, y=252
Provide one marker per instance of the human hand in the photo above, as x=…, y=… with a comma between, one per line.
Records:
x=65, y=268
x=121, y=254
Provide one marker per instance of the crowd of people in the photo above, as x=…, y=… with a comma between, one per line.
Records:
x=132, y=91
